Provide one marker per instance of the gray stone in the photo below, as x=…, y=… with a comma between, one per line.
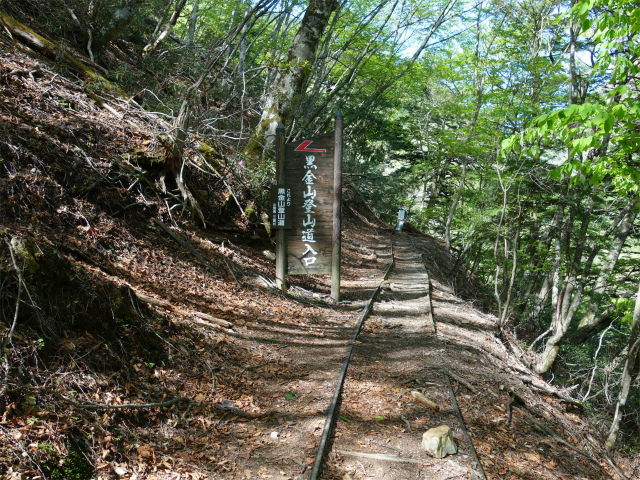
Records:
x=438, y=442
x=120, y=471
x=269, y=254
x=12, y=475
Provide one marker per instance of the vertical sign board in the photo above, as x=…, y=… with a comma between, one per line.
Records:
x=309, y=174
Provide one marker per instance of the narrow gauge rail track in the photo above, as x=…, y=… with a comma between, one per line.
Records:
x=411, y=277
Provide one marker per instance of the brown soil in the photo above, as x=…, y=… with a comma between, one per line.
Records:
x=69, y=191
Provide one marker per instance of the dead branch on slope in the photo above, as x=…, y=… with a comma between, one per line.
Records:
x=48, y=49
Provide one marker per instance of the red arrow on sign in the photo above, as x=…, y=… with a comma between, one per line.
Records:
x=303, y=147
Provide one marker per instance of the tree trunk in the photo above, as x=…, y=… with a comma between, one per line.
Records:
x=590, y=324
x=454, y=205
x=627, y=374
x=242, y=57
x=438, y=177
x=543, y=292
x=566, y=302
x=514, y=266
x=193, y=20
x=285, y=92
x=552, y=346
x=152, y=47
x=116, y=24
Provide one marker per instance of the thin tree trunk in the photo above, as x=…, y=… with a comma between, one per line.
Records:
x=454, y=205
x=436, y=183
x=514, y=266
x=627, y=374
x=552, y=346
x=193, y=21
x=152, y=47
x=181, y=123
x=162, y=18
x=566, y=303
x=478, y=81
x=242, y=56
x=441, y=20
x=590, y=324
x=496, y=290
x=347, y=77
x=543, y=292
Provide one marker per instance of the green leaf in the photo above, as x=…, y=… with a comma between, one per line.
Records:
x=585, y=110
x=620, y=111
x=600, y=117
x=379, y=417
x=290, y=395
x=541, y=119
x=608, y=124
x=345, y=419
x=583, y=7
x=534, y=151
x=556, y=174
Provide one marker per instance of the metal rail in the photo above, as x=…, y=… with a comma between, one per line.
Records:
x=477, y=470
x=329, y=424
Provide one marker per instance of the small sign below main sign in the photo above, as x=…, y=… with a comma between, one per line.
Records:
x=281, y=209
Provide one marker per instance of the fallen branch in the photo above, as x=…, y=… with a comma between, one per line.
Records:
x=83, y=256
x=480, y=469
x=185, y=245
x=9, y=338
x=102, y=104
x=205, y=319
x=48, y=49
x=104, y=406
x=201, y=317
x=419, y=397
x=542, y=386
x=553, y=434
x=461, y=381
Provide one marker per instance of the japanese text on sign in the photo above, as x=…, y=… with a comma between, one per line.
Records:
x=281, y=207
x=309, y=222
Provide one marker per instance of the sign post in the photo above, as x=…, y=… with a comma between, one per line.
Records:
x=336, y=257
x=281, y=240
x=306, y=206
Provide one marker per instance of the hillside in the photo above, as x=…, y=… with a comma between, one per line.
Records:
x=104, y=304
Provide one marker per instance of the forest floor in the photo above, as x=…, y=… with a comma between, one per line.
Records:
x=231, y=379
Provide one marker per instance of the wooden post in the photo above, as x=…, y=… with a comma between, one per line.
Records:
x=281, y=243
x=336, y=256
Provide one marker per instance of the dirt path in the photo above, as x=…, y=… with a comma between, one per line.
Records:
x=287, y=373
x=380, y=429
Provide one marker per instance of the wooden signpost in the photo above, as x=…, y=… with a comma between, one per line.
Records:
x=307, y=206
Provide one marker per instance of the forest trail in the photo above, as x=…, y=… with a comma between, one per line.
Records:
x=380, y=429
x=120, y=313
